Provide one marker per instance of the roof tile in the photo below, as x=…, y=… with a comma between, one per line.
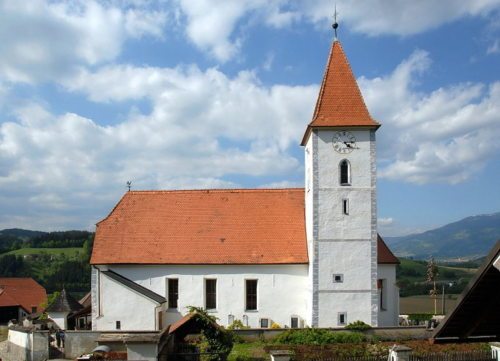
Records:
x=239, y=226
x=24, y=292
x=340, y=103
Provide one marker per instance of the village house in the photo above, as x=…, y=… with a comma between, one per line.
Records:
x=293, y=257
x=19, y=297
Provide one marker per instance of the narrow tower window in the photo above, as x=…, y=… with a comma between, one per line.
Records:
x=345, y=206
x=345, y=173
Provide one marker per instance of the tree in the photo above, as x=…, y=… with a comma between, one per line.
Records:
x=432, y=273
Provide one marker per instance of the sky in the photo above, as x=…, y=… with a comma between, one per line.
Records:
x=189, y=94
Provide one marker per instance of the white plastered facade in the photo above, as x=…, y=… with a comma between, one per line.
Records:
x=342, y=245
x=282, y=293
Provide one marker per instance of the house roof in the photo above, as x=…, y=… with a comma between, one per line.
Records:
x=24, y=292
x=64, y=303
x=237, y=226
x=475, y=316
x=340, y=103
x=135, y=286
x=384, y=254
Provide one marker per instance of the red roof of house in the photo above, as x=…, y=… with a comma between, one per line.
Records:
x=239, y=226
x=24, y=292
x=340, y=103
x=384, y=254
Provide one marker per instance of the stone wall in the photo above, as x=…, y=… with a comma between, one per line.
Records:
x=77, y=343
x=26, y=345
x=384, y=333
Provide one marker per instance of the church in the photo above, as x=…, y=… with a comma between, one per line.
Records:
x=289, y=258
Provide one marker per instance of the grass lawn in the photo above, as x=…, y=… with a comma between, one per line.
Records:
x=69, y=252
x=424, y=304
x=248, y=351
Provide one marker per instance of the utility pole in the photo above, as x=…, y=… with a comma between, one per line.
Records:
x=443, y=300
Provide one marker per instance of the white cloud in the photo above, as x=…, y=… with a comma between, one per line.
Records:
x=215, y=26
x=441, y=137
x=385, y=221
x=204, y=129
x=44, y=40
x=403, y=17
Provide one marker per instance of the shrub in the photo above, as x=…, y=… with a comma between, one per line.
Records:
x=358, y=326
x=315, y=336
x=275, y=325
x=420, y=317
x=237, y=325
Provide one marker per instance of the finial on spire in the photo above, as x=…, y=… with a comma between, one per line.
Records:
x=335, y=25
x=129, y=185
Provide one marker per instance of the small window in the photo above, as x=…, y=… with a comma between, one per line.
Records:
x=118, y=325
x=345, y=173
x=33, y=309
x=173, y=292
x=382, y=293
x=264, y=323
x=230, y=319
x=294, y=322
x=251, y=295
x=210, y=294
x=345, y=206
x=342, y=318
x=338, y=278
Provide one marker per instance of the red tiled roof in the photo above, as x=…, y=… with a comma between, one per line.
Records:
x=340, y=103
x=24, y=292
x=251, y=226
x=384, y=254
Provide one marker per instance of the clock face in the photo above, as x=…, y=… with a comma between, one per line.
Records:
x=344, y=142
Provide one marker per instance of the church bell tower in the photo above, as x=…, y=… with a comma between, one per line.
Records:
x=341, y=205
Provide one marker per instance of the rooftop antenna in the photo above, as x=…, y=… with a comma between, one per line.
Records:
x=335, y=25
x=129, y=185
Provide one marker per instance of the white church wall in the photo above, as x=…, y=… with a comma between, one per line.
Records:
x=356, y=306
x=352, y=265
x=390, y=315
x=282, y=290
x=335, y=224
x=330, y=159
x=134, y=311
x=345, y=244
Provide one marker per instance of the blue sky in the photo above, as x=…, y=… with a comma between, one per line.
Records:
x=217, y=94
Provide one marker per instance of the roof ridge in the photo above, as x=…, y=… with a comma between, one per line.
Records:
x=323, y=82
x=214, y=190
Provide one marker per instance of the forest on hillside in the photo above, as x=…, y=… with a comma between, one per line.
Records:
x=53, y=259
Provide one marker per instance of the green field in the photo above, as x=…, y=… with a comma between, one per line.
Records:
x=71, y=252
x=425, y=304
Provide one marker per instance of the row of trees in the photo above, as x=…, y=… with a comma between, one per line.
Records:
x=65, y=239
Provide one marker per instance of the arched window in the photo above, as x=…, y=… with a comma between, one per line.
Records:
x=345, y=173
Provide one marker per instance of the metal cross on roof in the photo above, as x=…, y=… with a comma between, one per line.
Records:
x=335, y=25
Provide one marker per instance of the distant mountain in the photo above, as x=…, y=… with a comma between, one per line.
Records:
x=20, y=233
x=467, y=239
